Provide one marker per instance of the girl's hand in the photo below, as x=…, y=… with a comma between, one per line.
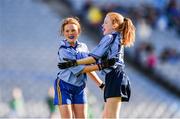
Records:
x=106, y=63
x=69, y=63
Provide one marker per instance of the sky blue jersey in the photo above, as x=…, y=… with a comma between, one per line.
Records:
x=72, y=75
x=110, y=45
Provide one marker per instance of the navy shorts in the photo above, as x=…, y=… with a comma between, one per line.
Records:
x=117, y=85
x=66, y=93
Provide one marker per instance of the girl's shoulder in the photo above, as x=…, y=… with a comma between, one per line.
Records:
x=83, y=45
x=112, y=35
x=62, y=43
x=108, y=36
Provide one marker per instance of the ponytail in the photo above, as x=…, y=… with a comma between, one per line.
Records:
x=128, y=32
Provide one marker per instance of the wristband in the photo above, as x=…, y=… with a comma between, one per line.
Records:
x=102, y=86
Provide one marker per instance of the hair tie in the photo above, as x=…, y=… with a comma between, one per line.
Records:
x=125, y=19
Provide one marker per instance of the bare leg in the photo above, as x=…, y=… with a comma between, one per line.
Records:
x=66, y=111
x=80, y=110
x=105, y=111
x=112, y=107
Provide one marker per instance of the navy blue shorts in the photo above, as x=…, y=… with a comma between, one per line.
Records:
x=117, y=85
x=66, y=93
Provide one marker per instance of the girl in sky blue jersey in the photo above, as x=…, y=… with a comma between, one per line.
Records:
x=70, y=83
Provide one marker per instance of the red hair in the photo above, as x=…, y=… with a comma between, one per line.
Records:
x=70, y=20
x=124, y=26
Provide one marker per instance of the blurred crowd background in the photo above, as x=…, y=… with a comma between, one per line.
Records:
x=157, y=29
x=29, y=34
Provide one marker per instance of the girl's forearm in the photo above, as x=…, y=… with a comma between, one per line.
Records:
x=88, y=60
x=95, y=78
x=90, y=68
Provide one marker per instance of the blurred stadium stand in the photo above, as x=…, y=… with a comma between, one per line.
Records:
x=156, y=49
x=29, y=42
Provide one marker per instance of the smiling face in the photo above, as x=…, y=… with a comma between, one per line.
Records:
x=71, y=29
x=107, y=26
x=71, y=33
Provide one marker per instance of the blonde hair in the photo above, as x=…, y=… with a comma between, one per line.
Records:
x=70, y=20
x=124, y=26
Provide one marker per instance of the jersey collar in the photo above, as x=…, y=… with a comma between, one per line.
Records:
x=67, y=44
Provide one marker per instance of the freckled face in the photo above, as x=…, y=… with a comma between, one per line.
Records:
x=107, y=26
x=71, y=33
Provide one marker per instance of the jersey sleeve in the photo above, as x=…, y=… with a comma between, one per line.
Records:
x=102, y=47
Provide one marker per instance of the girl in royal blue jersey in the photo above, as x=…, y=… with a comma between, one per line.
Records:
x=70, y=83
x=118, y=32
